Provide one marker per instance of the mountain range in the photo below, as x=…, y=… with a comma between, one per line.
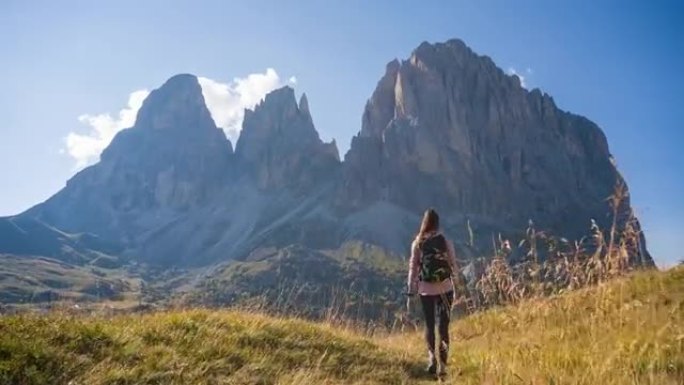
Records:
x=445, y=128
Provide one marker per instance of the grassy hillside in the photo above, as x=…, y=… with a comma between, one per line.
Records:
x=355, y=281
x=629, y=331
x=35, y=280
x=27, y=236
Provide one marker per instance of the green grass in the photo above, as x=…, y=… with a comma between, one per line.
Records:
x=308, y=283
x=32, y=280
x=629, y=331
x=189, y=347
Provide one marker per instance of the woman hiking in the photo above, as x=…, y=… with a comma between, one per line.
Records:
x=431, y=268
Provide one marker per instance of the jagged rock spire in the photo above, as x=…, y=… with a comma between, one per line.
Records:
x=279, y=145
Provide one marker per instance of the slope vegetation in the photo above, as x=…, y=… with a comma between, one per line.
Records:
x=628, y=331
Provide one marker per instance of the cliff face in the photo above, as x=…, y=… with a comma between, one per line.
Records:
x=447, y=128
x=279, y=146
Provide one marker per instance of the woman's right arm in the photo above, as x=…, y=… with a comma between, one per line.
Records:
x=451, y=255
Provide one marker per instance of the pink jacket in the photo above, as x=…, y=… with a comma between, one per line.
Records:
x=430, y=288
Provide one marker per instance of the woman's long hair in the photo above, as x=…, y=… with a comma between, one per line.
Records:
x=429, y=224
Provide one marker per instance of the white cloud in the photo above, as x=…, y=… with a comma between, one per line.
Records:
x=226, y=102
x=86, y=148
x=523, y=78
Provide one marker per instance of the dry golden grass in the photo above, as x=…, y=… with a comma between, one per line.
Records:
x=627, y=331
x=565, y=265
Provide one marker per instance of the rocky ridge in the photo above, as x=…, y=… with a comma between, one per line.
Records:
x=445, y=128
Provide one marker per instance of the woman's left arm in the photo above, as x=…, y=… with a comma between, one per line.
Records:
x=455, y=269
x=414, y=261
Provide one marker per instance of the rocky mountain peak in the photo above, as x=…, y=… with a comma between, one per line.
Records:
x=173, y=159
x=174, y=122
x=452, y=53
x=177, y=105
x=380, y=107
x=280, y=97
x=447, y=128
x=279, y=144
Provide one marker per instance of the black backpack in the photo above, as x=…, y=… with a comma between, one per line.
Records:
x=434, y=261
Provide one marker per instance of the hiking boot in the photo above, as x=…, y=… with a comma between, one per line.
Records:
x=443, y=354
x=432, y=368
x=432, y=364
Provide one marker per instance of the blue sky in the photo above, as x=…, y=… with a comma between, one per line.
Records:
x=619, y=63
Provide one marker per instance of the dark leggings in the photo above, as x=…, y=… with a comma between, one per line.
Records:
x=439, y=305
